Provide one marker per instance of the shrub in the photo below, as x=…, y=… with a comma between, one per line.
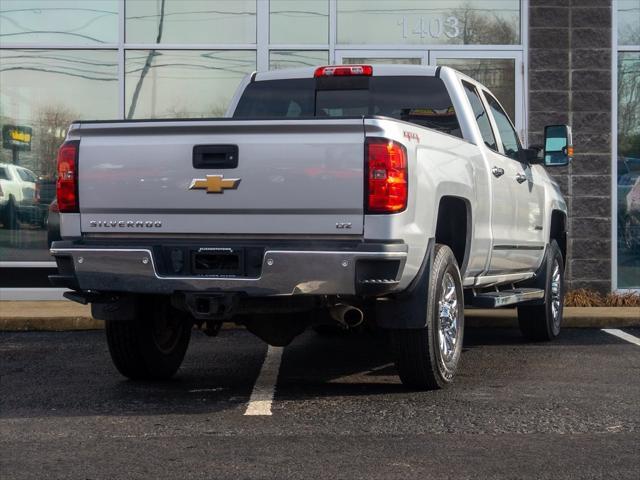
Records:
x=590, y=298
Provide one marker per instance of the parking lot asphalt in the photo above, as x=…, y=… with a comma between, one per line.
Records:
x=566, y=409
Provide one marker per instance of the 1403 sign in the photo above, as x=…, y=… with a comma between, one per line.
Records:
x=430, y=28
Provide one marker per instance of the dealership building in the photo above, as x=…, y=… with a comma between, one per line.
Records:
x=548, y=62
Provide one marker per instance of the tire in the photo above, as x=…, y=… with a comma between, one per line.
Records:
x=428, y=358
x=542, y=323
x=152, y=346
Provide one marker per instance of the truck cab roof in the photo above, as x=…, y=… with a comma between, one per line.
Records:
x=378, y=70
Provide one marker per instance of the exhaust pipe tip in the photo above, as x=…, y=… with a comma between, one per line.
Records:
x=347, y=315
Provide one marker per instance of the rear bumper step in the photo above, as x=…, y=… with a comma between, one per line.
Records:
x=282, y=272
x=506, y=297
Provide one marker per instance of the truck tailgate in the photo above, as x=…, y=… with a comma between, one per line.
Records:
x=291, y=177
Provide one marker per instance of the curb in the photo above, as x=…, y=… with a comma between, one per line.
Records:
x=20, y=316
x=574, y=317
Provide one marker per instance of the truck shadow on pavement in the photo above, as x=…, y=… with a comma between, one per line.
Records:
x=70, y=374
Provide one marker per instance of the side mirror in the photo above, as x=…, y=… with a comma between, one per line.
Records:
x=558, y=145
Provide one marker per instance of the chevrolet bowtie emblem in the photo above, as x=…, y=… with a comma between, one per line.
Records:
x=214, y=184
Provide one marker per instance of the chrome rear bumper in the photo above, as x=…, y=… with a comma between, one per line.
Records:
x=284, y=272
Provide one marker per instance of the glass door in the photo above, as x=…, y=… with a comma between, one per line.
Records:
x=500, y=72
x=399, y=57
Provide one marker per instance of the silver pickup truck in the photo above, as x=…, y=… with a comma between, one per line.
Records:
x=393, y=195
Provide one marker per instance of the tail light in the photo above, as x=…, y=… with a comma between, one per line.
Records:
x=67, y=183
x=344, y=71
x=37, y=194
x=387, y=178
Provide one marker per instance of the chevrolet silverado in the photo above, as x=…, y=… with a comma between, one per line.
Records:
x=395, y=195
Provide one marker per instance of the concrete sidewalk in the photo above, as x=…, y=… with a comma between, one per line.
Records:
x=67, y=315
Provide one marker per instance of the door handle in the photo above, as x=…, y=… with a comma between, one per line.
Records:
x=497, y=171
x=520, y=178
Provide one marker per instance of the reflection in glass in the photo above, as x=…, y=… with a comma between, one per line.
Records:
x=73, y=22
x=497, y=74
x=628, y=169
x=387, y=60
x=628, y=22
x=191, y=21
x=279, y=59
x=184, y=83
x=433, y=22
x=43, y=91
x=299, y=21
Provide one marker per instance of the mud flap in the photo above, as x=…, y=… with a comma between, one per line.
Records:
x=408, y=309
x=539, y=280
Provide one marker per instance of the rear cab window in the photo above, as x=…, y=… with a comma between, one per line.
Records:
x=421, y=100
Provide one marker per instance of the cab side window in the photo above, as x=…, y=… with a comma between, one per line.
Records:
x=508, y=135
x=481, y=116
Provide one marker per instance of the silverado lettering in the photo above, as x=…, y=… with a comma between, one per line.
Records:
x=125, y=223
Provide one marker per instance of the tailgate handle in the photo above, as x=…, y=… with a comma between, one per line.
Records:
x=215, y=156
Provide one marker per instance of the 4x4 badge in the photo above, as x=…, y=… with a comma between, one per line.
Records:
x=214, y=184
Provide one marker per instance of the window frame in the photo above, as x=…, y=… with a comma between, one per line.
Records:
x=616, y=49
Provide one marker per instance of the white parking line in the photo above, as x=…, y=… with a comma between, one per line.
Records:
x=263, y=390
x=623, y=335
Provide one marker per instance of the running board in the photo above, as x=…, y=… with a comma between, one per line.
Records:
x=506, y=297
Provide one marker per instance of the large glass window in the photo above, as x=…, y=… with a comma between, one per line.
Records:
x=191, y=21
x=62, y=60
x=279, y=59
x=43, y=91
x=628, y=170
x=628, y=22
x=73, y=22
x=384, y=60
x=183, y=83
x=299, y=21
x=457, y=22
x=497, y=74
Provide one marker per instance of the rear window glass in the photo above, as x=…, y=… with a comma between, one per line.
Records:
x=26, y=175
x=421, y=100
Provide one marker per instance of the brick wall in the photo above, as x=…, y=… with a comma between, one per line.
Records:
x=570, y=82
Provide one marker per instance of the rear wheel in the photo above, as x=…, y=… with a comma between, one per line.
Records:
x=152, y=346
x=543, y=322
x=427, y=358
